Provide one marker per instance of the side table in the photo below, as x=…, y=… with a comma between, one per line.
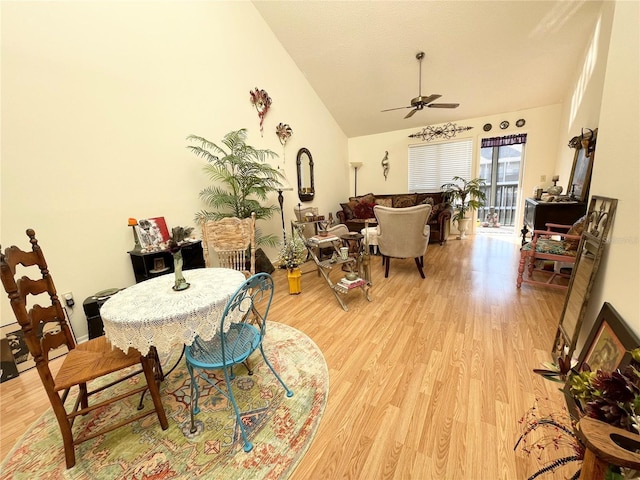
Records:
x=325, y=267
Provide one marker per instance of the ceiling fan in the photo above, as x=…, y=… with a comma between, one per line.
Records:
x=420, y=102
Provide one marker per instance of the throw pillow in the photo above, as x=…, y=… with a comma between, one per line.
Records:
x=576, y=229
x=368, y=198
x=364, y=210
x=401, y=201
x=385, y=202
x=435, y=211
x=348, y=211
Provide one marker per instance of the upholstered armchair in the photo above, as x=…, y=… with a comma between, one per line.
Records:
x=403, y=233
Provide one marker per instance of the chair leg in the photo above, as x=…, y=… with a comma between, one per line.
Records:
x=266, y=360
x=387, y=261
x=523, y=259
x=195, y=393
x=248, y=446
x=419, y=265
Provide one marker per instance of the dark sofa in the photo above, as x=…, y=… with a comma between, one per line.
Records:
x=358, y=209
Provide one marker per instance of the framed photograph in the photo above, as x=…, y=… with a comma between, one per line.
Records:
x=152, y=232
x=609, y=343
x=18, y=346
x=8, y=367
x=580, y=178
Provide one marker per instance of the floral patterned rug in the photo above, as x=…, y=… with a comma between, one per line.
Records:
x=280, y=428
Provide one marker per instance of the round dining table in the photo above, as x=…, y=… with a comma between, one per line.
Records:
x=152, y=316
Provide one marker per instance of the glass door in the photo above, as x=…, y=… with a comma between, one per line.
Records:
x=500, y=167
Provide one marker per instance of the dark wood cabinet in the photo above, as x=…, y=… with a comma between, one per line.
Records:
x=151, y=264
x=538, y=213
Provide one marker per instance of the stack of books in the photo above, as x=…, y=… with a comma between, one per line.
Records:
x=344, y=285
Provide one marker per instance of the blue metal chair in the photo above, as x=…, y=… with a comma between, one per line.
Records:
x=249, y=307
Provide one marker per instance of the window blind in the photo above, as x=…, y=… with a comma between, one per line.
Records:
x=430, y=166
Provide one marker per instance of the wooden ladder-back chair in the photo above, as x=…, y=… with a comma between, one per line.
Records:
x=231, y=239
x=83, y=363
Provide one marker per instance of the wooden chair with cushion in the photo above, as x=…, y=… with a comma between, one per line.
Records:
x=403, y=233
x=83, y=363
x=231, y=239
x=558, y=243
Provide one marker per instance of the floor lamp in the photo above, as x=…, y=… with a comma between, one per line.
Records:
x=356, y=166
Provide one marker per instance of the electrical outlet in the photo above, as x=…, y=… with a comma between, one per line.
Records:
x=543, y=178
x=68, y=299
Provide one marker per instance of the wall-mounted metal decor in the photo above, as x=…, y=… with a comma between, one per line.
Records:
x=385, y=165
x=262, y=101
x=448, y=130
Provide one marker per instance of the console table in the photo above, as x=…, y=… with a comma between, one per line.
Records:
x=538, y=213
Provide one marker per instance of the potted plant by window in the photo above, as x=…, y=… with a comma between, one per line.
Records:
x=292, y=254
x=466, y=196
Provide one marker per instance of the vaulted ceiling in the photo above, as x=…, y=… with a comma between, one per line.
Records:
x=490, y=57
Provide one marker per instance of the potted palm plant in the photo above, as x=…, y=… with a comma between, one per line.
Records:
x=466, y=196
x=242, y=180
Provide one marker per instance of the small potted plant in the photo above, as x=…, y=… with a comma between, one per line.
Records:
x=466, y=196
x=292, y=254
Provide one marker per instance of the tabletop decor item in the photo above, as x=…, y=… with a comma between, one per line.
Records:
x=133, y=223
x=178, y=237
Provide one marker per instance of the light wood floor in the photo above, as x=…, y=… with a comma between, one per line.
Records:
x=428, y=380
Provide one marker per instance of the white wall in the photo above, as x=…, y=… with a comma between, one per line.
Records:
x=97, y=100
x=616, y=171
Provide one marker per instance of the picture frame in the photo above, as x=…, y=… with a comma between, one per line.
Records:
x=608, y=348
x=18, y=346
x=609, y=343
x=580, y=177
x=8, y=367
x=152, y=232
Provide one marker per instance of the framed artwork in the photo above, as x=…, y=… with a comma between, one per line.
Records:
x=580, y=177
x=8, y=367
x=609, y=343
x=152, y=232
x=17, y=345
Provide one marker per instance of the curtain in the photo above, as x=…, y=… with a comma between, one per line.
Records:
x=506, y=140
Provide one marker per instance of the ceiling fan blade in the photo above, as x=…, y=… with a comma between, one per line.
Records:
x=410, y=114
x=444, y=105
x=429, y=99
x=399, y=108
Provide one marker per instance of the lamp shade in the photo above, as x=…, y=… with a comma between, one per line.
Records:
x=283, y=183
x=355, y=164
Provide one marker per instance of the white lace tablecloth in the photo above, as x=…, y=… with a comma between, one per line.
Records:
x=151, y=313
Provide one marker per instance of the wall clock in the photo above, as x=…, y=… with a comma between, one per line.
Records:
x=504, y=124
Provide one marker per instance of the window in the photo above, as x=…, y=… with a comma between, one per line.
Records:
x=430, y=166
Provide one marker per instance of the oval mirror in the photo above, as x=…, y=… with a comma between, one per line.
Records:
x=306, y=190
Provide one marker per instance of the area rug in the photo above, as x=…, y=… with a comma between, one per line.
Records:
x=280, y=428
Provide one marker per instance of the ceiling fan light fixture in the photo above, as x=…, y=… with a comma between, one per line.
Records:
x=419, y=102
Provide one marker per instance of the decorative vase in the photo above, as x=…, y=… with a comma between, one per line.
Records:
x=294, y=276
x=463, y=226
x=180, y=283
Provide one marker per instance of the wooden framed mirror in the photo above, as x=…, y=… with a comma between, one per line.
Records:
x=580, y=177
x=592, y=242
x=306, y=189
